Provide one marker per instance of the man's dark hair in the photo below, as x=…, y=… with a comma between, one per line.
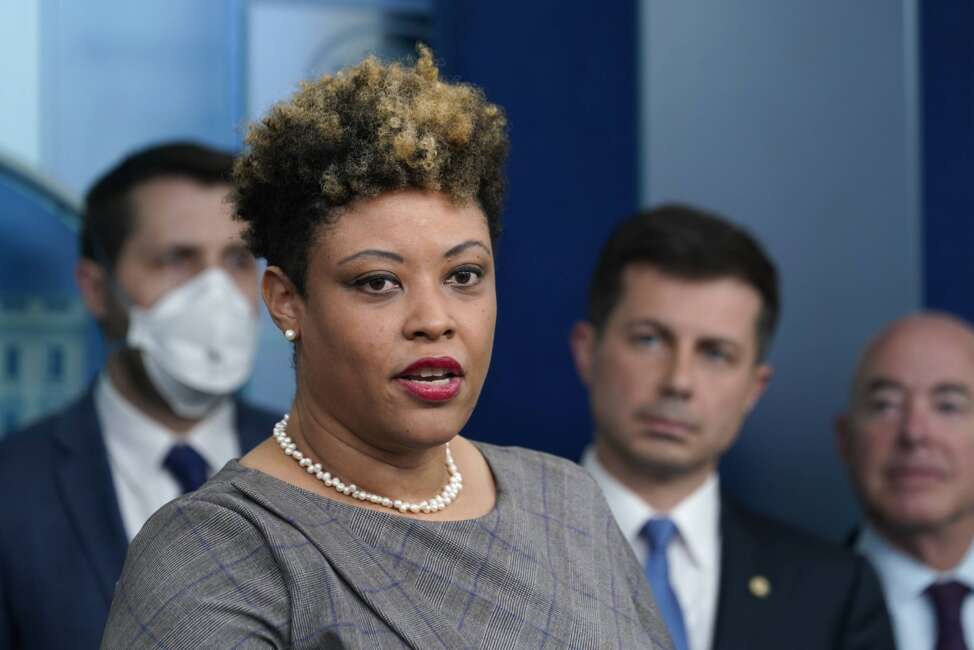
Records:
x=690, y=244
x=108, y=214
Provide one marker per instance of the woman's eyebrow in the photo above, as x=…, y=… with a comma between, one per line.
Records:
x=459, y=248
x=374, y=252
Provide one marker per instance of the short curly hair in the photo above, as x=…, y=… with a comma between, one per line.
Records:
x=369, y=129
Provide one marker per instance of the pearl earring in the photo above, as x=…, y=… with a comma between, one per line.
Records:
x=290, y=335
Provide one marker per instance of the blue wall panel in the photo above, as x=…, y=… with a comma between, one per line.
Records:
x=565, y=74
x=947, y=64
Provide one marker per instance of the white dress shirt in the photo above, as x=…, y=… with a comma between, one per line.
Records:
x=138, y=445
x=693, y=556
x=904, y=580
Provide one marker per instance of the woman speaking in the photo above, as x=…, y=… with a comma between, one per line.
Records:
x=365, y=520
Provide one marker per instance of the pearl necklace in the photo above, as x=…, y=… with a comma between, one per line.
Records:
x=446, y=496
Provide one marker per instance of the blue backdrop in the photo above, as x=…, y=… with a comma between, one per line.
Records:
x=565, y=74
x=788, y=117
x=947, y=100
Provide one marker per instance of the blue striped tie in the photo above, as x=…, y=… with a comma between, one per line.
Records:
x=659, y=533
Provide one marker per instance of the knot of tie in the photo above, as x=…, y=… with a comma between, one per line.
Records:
x=659, y=532
x=948, y=598
x=187, y=467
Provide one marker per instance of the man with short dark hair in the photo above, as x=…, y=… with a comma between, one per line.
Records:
x=682, y=309
x=908, y=440
x=174, y=289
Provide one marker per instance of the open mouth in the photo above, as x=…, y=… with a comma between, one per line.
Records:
x=433, y=376
x=432, y=379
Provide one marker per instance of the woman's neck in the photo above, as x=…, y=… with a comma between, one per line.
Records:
x=398, y=473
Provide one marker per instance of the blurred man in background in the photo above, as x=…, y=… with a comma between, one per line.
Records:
x=682, y=309
x=167, y=276
x=908, y=440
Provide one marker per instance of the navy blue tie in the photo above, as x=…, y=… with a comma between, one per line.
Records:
x=659, y=533
x=948, y=599
x=187, y=466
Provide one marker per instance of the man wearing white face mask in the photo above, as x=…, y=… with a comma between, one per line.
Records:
x=174, y=289
x=197, y=342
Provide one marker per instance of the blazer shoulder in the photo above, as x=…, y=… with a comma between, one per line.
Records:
x=27, y=443
x=161, y=594
x=35, y=441
x=783, y=537
x=819, y=584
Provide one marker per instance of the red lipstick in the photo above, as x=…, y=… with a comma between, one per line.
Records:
x=432, y=379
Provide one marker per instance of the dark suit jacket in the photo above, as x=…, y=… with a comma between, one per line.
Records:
x=818, y=596
x=62, y=541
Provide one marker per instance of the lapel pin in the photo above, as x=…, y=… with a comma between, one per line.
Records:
x=760, y=587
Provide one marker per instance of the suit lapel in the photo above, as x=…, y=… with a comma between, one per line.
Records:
x=84, y=482
x=85, y=485
x=747, y=589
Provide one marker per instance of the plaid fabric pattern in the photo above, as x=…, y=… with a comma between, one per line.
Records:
x=252, y=562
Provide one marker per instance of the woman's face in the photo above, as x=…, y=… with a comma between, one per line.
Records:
x=398, y=324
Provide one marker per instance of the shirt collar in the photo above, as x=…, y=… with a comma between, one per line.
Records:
x=965, y=570
x=904, y=576
x=140, y=436
x=697, y=517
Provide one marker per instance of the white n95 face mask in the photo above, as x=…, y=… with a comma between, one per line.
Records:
x=197, y=342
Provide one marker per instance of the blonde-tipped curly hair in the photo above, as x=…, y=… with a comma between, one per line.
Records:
x=366, y=130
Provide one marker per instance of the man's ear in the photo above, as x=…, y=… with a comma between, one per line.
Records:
x=762, y=377
x=94, y=285
x=583, y=340
x=282, y=299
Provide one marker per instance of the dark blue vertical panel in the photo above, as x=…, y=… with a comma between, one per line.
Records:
x=566, y=75
x=947, y=74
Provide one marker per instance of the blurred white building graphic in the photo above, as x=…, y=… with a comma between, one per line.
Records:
x=42, y=356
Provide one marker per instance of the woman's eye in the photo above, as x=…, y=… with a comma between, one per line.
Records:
x=377, y=284
x=465, y=277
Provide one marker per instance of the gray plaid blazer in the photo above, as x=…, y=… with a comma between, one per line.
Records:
x=249, y=561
